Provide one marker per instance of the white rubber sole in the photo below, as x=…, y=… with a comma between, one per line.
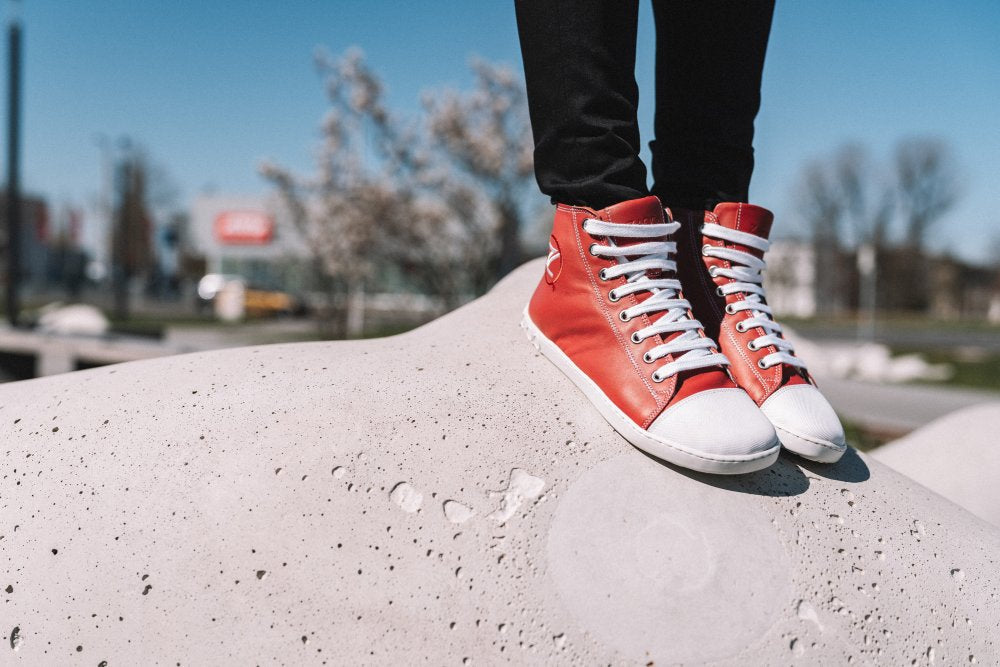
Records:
x=671, y=452
x=820, y=451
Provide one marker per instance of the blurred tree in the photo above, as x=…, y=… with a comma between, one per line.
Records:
x=927, y=185
x=438, y=201
x=867, y=198
x=131, y=241
x=487, y=134
x=822, y=207
x=849, y=186
x=143, y=194
x=868, y=201
x=359, y=192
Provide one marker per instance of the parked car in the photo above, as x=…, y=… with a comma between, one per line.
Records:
x=258, y=301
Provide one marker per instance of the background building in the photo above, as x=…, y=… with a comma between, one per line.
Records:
x=791, y=278
x=51, y=259
x=250, y=236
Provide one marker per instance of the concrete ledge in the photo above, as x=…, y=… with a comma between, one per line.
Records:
x=957, y=456
x=444, y=495
x=57, y=354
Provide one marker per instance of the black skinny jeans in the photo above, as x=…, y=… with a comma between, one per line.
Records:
x=579, y=66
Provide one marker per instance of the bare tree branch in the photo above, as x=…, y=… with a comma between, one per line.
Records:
x=927, y=184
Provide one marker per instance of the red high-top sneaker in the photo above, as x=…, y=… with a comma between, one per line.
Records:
x=609, y=313
x=721, y=257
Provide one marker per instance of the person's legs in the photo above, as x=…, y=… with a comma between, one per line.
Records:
x=709, y=58
x=608, y=311
x=579, y=68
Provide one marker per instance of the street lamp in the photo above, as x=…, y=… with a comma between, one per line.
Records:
x=13, y=164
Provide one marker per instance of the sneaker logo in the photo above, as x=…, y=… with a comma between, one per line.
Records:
x=553, y=264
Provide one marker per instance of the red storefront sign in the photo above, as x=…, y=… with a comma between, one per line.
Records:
x=244, y=228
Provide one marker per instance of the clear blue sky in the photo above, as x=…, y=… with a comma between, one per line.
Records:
x=211, y=87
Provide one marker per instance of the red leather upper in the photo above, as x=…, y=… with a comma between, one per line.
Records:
x=709, y=307
x=572, y=309
x=747, y=218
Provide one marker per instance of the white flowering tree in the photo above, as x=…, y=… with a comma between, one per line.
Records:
x=487, y=136
x=438, y=199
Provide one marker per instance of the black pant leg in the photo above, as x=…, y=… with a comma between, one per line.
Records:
x=709, y=58
x=579, y=68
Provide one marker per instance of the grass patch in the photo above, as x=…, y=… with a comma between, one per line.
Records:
x=864, y=438
x=972, y=368
x=894, y=321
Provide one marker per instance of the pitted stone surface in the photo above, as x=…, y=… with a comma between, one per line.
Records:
x=235, y=507
x=625, y=556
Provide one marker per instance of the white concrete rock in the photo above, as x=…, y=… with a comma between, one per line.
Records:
x=957, y=456
x=868, y=362
x=236, y=507
x=74, y=320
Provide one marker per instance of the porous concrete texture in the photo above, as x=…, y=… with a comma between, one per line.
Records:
x=446, y=497
x=957, y=456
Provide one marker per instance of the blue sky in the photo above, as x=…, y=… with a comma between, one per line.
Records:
x=210, y=88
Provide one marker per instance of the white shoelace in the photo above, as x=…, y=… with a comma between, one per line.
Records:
x=747, y=278
x=690, y=350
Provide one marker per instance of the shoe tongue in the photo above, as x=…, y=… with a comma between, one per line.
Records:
x=643, y=211
x=745, y=218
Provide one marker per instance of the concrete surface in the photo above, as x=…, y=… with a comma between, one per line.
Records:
x=446, y=497
x=957, y=456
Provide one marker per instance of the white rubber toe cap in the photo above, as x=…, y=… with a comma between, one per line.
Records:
x=806, y=423
x=717, y=423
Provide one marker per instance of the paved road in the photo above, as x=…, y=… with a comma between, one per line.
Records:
x=898, y=408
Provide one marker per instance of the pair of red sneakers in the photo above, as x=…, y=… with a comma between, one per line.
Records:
x=662, y=321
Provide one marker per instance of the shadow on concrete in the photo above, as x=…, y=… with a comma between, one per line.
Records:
x=850, y=468
x=787, y=477
x=782, y=479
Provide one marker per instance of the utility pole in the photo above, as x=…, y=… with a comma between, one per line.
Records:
x=13, y=167
x=120, y=235
x=102, y=252
x=867, y=291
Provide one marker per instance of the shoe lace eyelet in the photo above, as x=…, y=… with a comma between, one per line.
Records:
x=760, y=365
x=752, y=346
x=657, y=378
x=591, y=249
x=713, y=271
x=704, y=250
x=740, y=327
x=623, y=316
x=613, y=296
x=603, y=275
x=729, y=309
x=648, y=359
x=635, y=337
x=718, y=291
